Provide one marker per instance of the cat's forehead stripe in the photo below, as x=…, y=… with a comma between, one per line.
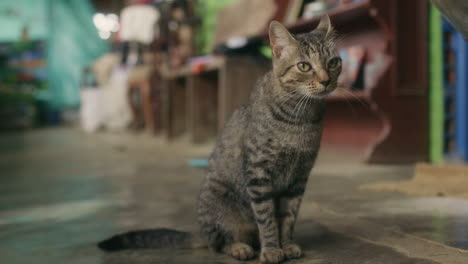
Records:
x=311, y=45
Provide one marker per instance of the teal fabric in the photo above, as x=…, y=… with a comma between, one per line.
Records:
x=73, y=43
x=18, y=14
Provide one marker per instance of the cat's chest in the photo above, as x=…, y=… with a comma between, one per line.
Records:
x=299, y=138
x=296, y=142
x=289, y=165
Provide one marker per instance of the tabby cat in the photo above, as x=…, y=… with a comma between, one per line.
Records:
x=259, y=168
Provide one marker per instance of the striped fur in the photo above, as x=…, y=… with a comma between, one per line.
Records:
x=259, y=168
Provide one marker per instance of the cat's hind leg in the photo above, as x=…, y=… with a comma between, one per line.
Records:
x=231, y=236
x=223, y=225
x=234, y=239
x=242, y=240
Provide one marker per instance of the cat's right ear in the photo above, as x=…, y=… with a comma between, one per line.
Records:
x=280, y=38
x=325, y=27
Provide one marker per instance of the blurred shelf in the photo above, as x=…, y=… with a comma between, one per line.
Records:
x=193, y=69
x=30, y=64
x=340, y=15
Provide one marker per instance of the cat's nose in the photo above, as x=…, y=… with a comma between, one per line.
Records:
x=325, y=82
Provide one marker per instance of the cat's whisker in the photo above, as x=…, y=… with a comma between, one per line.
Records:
x=283, y=99
x=298, y=114
x=295, y=107
x=294, y=110
x=288, y=97
x=351, y=107
x=306, y=104
x=354, y=96
x=298, y=105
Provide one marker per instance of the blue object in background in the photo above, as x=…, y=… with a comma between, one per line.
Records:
x=198, y=163
x=461, y=117
x=456, y=91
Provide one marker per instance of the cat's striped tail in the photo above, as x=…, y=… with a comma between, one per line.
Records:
x=152, y=238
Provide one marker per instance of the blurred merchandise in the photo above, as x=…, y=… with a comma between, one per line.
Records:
x=181, y=32
x=293, y=11
x=375, y=68
x=90, y=110
x=139, y=27
x=116, y=110
x=132, y=53
x=248, y=47
x=22, y=76
x=198, y=64
x=138, y=23
x=314, y=9
x=353, y=59
x=255, y=18
x=91, y=105
x=103, y=66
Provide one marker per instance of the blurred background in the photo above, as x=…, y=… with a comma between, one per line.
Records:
x=109, y=110
x=175, y=68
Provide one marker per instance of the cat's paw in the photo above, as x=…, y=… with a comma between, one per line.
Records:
x=271, y=255
x=292, y=251
x=241, y=251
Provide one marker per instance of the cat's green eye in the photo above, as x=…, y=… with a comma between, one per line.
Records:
x=333, y=63
x=304, y=66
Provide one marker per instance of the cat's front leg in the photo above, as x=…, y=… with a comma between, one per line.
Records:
x=289, y=205
x=260, y=191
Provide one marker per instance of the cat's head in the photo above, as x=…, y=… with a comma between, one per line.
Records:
x=308, y=63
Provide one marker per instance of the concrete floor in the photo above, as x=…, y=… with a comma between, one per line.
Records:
x=62, y=191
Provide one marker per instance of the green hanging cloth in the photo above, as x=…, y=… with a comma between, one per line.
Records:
x=73, y=43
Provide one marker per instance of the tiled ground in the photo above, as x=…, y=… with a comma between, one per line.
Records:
x=62, y=191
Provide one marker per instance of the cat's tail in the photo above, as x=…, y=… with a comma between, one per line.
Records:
x=152, y=238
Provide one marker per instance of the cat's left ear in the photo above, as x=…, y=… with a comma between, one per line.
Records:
x=280, y=38
x=325, y=27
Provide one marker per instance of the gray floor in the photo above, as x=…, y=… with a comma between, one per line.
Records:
x=62, y=191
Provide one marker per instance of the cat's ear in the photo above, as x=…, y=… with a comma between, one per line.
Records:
x=280, y=38
x=325, y=27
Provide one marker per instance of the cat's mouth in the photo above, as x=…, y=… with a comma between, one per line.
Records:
x=320, y=92
x=326, y=91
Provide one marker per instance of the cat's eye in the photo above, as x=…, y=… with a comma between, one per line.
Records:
x=304, y=66
x=333, y=63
